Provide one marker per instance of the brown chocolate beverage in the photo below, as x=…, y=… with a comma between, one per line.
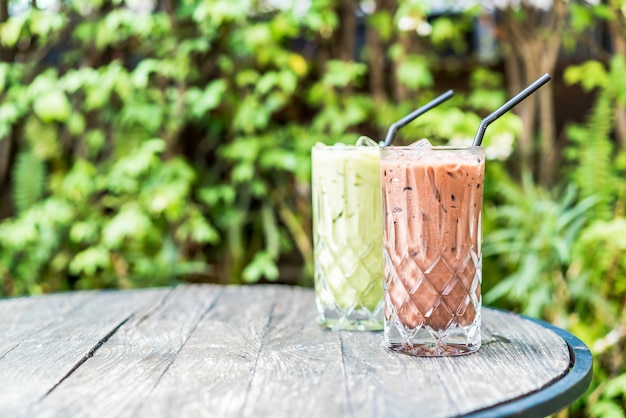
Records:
x=432, y=199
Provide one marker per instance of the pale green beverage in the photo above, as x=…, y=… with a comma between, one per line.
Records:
x=347, y=236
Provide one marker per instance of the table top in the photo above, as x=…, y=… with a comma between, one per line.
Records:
x=209, y=350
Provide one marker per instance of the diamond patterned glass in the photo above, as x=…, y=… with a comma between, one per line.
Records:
x=432, y=203
x=347, y=237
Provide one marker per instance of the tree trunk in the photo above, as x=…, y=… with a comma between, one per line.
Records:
x=4, y=10
x=617, y=28
x=168, y=6
x=514, y=81
x=550, y=44
x=347, y=30
x=548, y=156
x=400, y=91
x=6, y=54
x=342, y=45
x=536, y=42
x=516, y=69
x=376, y=61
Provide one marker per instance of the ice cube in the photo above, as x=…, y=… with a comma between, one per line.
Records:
x=421, y=143
x=365, y=141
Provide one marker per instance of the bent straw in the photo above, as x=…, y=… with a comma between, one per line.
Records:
x=478, y=139
x=393, y=129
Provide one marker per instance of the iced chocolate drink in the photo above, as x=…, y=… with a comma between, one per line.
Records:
x=347, y=236
x=432, y=202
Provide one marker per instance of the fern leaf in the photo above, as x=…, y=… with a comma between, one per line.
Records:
x=29, y=174
x=594, y=172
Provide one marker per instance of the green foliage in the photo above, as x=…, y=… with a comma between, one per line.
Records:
x=593, y=151
x=600, y=251
x=414, y=73
x=533, y=237
x=180, y=140
x=28, y=181
x=612, y=402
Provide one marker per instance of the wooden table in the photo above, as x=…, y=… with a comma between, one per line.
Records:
x=256, y=351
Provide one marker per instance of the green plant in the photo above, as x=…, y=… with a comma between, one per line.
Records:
x=533, y=237
x=175, y=142
x=593, y=152
x=612, y=402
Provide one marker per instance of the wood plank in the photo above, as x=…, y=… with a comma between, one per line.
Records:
x=299, y=371
x=213, y=371
x=21, y=317
x=125, y=369
x=48, y=354
x=385, y=383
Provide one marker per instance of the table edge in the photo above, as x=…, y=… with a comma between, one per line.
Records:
x=555, y=396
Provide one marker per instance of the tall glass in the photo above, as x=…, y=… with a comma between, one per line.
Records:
x=347, y=237
x=432, y=203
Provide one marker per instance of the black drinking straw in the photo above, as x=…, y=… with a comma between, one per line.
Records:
x=391, y=133
x=478, y=139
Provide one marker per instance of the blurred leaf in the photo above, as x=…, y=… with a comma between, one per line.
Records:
x=79, y=183
x=149, y=116
x=11, y=29
x=297, y=64
x=279, y=158
x=90, y=260
x=414, y=73
x=166, y=189
x=605, y=11
x=243, y=173
x=383, y=22
x=219, y=11
x=486, y=100
x=342, y=73
x=262, y=266
x=616, y=387
x=28, y=180
x=589, y=75
x=124, y=174
x=42, y=138
x=52, y=106
x=130, y=223
x=443, y=30
x=141, y=75
x=197, y=229
x=83, y=232
x=9, y=113
x=4, y=75
x=251, y=115
x=44, y=24
x=581, y=16
x=218, y=193
x=201, y=102
x=606, y=409
x=95, y=141
x=76, y=124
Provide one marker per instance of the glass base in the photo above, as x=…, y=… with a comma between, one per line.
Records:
x=454, y=341
x=353, y=320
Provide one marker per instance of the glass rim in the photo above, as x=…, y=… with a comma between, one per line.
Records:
x=432, y=148
x=345, y=147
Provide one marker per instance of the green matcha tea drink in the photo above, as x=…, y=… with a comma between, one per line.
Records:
x=347, y=236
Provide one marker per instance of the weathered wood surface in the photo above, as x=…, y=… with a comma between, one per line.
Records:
x=245, y=352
